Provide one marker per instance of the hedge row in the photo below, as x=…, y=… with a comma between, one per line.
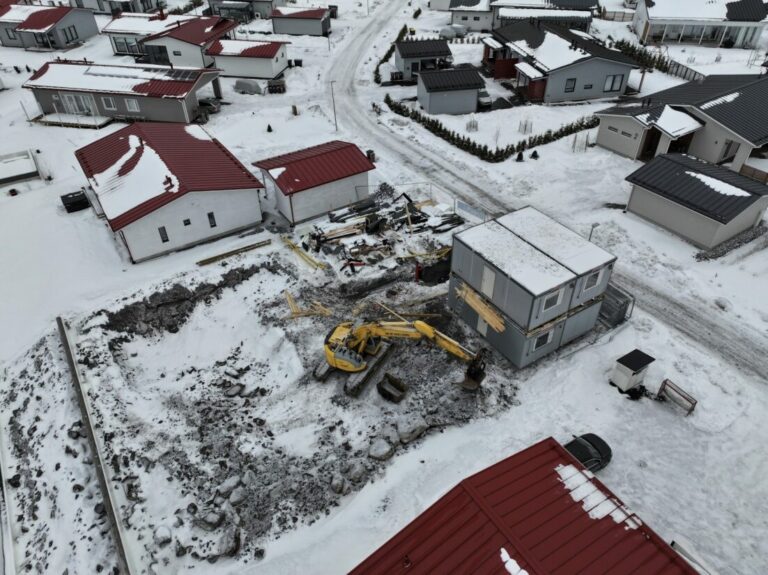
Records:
x=643, y=56
x=483, y=151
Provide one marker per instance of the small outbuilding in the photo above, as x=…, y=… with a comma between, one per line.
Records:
x=249, y=58
x=166, y=187
x=45, y=28
x=244, y=10
x=187, y=43
x=452, y=91
x=704, y=203
x=316, y=180
x=538, y=512
x=301, y=21
x=415, y=56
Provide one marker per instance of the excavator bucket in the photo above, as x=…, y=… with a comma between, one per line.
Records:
x=475, y=373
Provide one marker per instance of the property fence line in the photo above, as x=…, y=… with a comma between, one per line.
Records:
x=617, y=16
x=755, y=174
x=110, y=506
x=683, y=71
x=8, y=549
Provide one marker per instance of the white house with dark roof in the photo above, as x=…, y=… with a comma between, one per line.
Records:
x=314, y=181
x=553, y=64
x=126, y=31
x=166, y=187
x=414, y=56
x=727, y=23
x=244, y=10
x=249, y=58
x=722, y=118
x=451, y=91
x=44, y=27
x=702, y=202
x=476, y=15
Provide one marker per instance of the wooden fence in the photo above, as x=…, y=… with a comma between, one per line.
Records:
x=755, y=174
x=683, y=71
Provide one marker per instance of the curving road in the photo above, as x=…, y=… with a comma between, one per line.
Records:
x=735, y=343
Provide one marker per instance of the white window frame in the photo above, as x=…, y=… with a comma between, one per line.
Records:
x=109, y=103
x=558, y=293
x=599, y=274
x=11, y=33
x=537, y=346
x=177, y=52
x=132, y=105
x=572, y=83
x=610, y=83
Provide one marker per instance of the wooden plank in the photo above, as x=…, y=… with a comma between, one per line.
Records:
x=483, y=309
x=304, y=255
x=231, y=253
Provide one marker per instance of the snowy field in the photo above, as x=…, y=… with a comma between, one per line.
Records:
x=700, y=476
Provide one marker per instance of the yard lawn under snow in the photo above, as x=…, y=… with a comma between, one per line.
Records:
x=699, y=476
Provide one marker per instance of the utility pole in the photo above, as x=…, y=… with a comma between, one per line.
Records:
x=333, y=100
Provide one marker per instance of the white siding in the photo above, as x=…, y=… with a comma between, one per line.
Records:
x=318, y=200
x=474, y=20
x=233, y=210
x=190, y=55
x=611, y=132
x=241, y=67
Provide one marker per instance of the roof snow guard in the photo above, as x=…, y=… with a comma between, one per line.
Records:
x=538, y=512
x=145, y=166
x=146, y=80
x=315, y=166
x=711, y=190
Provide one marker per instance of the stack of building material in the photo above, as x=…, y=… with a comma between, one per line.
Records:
x=544, y=281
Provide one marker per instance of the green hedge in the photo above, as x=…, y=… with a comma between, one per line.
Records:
x=643, y=56
x=483, y=151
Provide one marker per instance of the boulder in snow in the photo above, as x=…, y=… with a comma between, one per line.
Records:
x=410, y=427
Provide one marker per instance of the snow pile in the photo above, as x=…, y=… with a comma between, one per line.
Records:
x=511, y=565
x=138, y=176
x=676, y=123
x=197, y=132
x=554, y=52
x=596, y=503
x=719, y=186
x=721, y=100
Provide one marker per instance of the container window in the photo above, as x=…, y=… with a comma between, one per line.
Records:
x=187, y=222
x=592, y=280
x=542, y=340
x=211, y=219
x=552, y=300
x=177, y=52
x=163, y=234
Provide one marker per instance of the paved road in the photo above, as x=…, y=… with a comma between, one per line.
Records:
x=734, y=342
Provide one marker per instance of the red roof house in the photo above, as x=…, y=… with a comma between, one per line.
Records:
x=299, y=21
x=538, y=512
x=143, y=178
x=45, y=27
x=186, y=43
x=316, y=180
x=249, y=58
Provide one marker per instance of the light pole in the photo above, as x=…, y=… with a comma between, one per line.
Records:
x=595, y=225
x=333, y=100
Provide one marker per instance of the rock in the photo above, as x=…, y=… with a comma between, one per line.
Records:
x=99, y=509
x=250, y=479
x=191, y=508
x=380, y=450
x=237, y=496
x=337, y=484
x=228, y=486
x=213, y=519
x=15, y=481
x=389, y=433
x=77, y=488
x=410, y=427
x=234, y=390
x=356, y=472
x=258, y=553
x=162, y=536
x=231, y=372
x=180, y=550
x=229, y=544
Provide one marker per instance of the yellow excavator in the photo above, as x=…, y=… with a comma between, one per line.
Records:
x=347, y=345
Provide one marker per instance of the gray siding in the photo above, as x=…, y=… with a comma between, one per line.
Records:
x=150, y=109
x=452, y=102
x=5, y=38
x=301, y=27
x=83, y=21
x=609, y=135
x=581, y=296
x=581, y=322
x=590, y=81
x=513, y=300
x=710, y=141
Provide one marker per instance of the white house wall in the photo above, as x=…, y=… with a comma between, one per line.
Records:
x=474, y=20
x=747, y=219
x=590, y=81
x=616, y=141
x=709, y=142
x=189, y=55
x=233, y=210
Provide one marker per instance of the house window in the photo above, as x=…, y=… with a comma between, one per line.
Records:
x=626, y=134
x=42, y=40
x=542, y=340
x=464, y=18
x=70, y=34
x=592, y=280
x=476, y=18
x=108, y=103
x=11, y=34
x=177, y=52
x=211, y=219
x=570, y=84
x=120, y=44
x=587, y=86
x=163, y=234
x=552, y=300
x=132, y=105
x=187, y=222
x=613, y=83
x=612, y=129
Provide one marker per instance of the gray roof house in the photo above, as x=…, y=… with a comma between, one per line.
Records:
x=722, y=118
x=113, y=7
x=702, y=202
x=727, y=23
x=413, y=56
x=244, y=10
x=45, y=28
x=553, y=64
x=452, y=91
x=80, y=93
x=543, y=282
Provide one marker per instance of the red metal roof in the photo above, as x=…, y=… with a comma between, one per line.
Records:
x=311, y=167
x=259, y=50
x=199, y=31
x=308, y=14
x=542, y=509
x=44, y=19
x=199, y=164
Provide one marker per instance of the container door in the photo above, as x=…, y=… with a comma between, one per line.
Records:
x=488, y=281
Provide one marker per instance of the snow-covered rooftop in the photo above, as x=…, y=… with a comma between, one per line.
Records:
x=143, y=24
x=695, y=9
x=524, y=13
x=554, y=52
x=481, y=6
x=673, y=122
x=17, y=13
x=531, y=268
x=529, y=70
x=36, y=19
x=557, y=241
x=245, y=48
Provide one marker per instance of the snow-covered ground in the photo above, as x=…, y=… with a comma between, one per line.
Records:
x=699, y=476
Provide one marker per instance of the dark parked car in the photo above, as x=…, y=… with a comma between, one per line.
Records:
x=590, y=450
